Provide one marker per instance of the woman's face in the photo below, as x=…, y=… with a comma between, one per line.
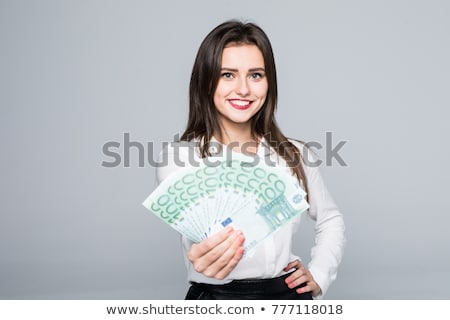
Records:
x=242, y=87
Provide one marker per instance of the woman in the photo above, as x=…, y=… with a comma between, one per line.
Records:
x=233, y=98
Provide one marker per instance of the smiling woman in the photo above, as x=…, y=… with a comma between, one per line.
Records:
x=233, y=98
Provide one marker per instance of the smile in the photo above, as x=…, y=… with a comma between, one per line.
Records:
x=240, y=104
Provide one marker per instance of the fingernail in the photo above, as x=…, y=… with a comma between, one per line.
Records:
x=237, y=233
x=228, y=229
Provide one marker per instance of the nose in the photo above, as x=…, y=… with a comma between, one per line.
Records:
x=242, y=87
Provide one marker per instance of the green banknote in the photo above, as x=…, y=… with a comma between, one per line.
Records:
x=250, y=195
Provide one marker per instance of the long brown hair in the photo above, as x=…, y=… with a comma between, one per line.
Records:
x=203, y=116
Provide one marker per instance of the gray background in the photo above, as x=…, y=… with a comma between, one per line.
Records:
x=77, y=74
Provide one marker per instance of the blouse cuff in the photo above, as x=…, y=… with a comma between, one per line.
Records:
x=323, y=280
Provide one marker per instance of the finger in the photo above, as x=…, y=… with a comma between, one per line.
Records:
x=224, y=255
x=233, y=241
x=231, y=264
x=207, y=265
x=310, y=287
x=293, y=264
x=200, y=249
x=296, y=274
x=298, y=281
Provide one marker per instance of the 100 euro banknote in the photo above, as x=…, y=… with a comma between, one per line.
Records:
x=251, y=196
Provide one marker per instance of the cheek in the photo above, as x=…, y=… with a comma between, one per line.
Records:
x=261, y=91
x=219, y=97
x=222, y=90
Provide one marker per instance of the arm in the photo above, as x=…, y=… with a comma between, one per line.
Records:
x=330, y=240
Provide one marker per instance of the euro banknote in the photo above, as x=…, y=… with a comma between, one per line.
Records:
x=250, y=195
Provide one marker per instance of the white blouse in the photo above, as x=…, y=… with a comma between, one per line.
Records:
x=274, y=253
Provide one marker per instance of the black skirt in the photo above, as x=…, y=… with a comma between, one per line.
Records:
x=253, y=289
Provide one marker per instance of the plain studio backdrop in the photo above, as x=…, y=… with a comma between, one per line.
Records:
x=75, y=75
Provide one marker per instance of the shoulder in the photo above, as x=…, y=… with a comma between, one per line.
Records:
x=310, y=161
x=309, y=157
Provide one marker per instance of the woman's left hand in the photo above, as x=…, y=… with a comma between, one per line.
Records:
x=299, y=276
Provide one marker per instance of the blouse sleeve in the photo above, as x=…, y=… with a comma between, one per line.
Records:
x=326, y=254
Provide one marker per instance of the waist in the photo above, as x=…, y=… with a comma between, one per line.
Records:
x=255, y=287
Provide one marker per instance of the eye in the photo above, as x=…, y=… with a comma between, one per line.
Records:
x=227, y=75
x=256, y=76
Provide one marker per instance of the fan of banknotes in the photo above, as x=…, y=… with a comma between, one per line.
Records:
x=250, y=195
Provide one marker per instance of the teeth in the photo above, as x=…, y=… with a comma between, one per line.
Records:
x=241, y=103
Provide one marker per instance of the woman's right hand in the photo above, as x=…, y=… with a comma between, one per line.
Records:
x=218, y=255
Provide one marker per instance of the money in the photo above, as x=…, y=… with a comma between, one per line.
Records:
x=251, y=196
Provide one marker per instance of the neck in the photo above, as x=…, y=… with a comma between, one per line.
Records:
x=240, y=139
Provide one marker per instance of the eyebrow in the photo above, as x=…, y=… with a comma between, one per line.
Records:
x=249, y=70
